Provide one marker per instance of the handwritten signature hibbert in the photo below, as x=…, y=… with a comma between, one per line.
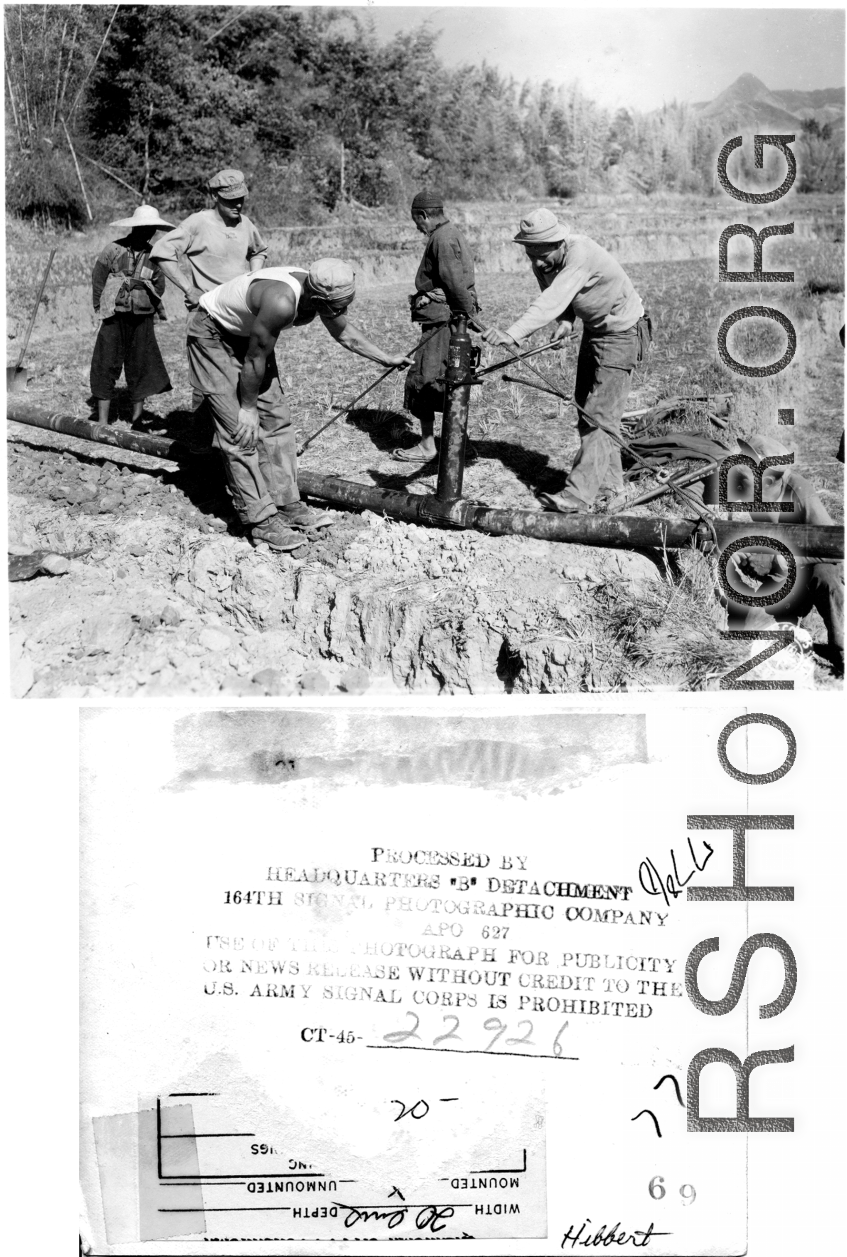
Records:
x=670, y=886
x=604, y=1237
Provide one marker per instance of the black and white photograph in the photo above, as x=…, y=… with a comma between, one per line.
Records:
x=423, y=351
x=423, y=696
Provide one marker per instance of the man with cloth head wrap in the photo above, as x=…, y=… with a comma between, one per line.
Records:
x=444, y=285
x=231, y=339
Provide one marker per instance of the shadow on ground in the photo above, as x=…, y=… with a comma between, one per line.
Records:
x=389, y=430
x=386, y=428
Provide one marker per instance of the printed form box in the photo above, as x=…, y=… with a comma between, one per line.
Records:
x=317, y=1010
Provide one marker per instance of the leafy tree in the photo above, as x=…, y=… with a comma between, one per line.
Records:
x=163, y=107
x=49, y=54
x=317, y=111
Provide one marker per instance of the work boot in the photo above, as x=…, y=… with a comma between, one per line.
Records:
x=299, y=515
x=275, y=534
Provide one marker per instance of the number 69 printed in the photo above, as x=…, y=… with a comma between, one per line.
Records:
x=657, y=1190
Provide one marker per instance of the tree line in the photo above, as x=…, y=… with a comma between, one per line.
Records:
x=148, y=100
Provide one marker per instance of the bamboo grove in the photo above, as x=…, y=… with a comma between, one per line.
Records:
x=106, y=102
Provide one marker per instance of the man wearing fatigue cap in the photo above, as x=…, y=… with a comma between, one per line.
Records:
x=231, y=340
x=218, y=243
x=444, y=285
x=579, y=279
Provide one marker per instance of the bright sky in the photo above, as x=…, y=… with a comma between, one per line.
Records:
x=636, y=57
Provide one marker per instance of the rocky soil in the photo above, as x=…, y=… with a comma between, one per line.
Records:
x=142, y=583
x=152, y=595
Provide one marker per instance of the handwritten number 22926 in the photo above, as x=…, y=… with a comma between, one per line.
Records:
x=490, y=1024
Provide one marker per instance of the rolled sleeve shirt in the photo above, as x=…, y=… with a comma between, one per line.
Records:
x=447, y=263
x=216, y=252
x=591, y=285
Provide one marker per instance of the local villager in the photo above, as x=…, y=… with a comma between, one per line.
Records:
x=218, y=243
x=128, y=306
x=231, y=340
x=444, y=285
x=579, y=279
x=819, y=583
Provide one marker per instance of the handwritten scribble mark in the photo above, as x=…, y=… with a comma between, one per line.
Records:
x=398, y=1192
x=650, y=1113
x=447, y=1099
x=665, y=1078
x=654, y=883
x=411, y=1110
x=428, y=1217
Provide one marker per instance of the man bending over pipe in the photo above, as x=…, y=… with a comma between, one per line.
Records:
x=231, y=339
x=579, y=279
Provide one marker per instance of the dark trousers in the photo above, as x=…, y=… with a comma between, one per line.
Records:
x=422, y=395
x=128, y=342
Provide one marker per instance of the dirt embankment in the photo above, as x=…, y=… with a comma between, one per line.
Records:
x=156, y=599
x=385, y=249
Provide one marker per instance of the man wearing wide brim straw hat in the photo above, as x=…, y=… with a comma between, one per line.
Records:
x=579, y=279
x=126, y=339
x=144, y=216
x=231, y=340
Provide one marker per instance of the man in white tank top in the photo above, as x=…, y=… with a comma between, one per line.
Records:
x=231, y=340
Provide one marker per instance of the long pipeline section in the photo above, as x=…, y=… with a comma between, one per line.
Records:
x=620, y=531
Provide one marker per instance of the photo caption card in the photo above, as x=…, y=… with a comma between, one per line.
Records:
x=393, y=976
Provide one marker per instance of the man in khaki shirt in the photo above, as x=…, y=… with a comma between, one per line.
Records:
x=579, y=279
x=218, y=243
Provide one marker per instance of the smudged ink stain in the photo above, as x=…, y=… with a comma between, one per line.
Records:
x=550, y=756
x=276, y=766
x=258, y=768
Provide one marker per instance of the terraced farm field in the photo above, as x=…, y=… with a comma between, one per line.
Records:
x=162, y=594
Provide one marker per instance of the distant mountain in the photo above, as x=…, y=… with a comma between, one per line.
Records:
x=796, y=101
x=750, y=105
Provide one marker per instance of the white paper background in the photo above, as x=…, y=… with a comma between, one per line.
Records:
x=796, y=1181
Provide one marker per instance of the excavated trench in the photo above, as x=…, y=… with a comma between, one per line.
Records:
x=158, y=595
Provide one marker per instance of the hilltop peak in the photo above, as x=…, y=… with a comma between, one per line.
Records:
x=747, y=85
x=749, y=102
x=746, y=89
